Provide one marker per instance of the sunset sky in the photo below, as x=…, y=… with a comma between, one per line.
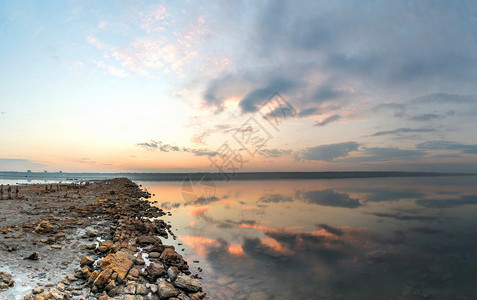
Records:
x=165, y=86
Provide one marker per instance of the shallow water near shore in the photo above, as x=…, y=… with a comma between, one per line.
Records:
x=386, y=238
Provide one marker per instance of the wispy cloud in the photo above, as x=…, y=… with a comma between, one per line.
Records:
x=427, y=117
x=328, y=120
x=448, y=145
x=401, y=131
x=329, y=152
x=162, y=147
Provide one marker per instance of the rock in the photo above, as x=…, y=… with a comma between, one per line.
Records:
x=105, y=246
x=33, y=256
x=61, y=287
x=187, y=283
x=44, y=227
x=87, y=261
x=92, y=277
x=173, y=272
x=141, y=289
x=118, y=262
x=56, y=247
x=154, y=270
x=198, y=295
x=38, y=290
x=85, y=272
x=130, y=288
x=70, y=277
x=153, y=288
x=111, y=285
x=139, y=261
x=103, y=278
x=3, y=286
x=170, y=256
x=154, y=255
x=5, y=277
x=148, y=239
x=165, y=290
x=133, y=273
x=56, y=294
x=103, y=297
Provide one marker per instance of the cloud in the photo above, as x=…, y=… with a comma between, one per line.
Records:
x=253, y=100
x=448, y=145
x=326, y=93
x=274, y=198
x=333, y=230
x=444, y=98
x=427, y=117
x=384, y=154
x=274, y=152
x=400, y=131
x=93, y=41
x=329, y=198
x=328, y=120
x=154, y=19
x=402, y=217
x=310, y=111
x=162, y=147
x=329, y=152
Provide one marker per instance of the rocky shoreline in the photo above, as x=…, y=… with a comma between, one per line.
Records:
x=94, y=240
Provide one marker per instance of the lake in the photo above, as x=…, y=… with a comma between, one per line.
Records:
x=376, y=238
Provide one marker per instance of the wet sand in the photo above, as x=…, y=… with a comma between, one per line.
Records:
x=93, y=240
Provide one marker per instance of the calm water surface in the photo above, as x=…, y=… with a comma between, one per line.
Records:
x=388, y=238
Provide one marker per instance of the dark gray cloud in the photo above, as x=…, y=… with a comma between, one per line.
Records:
x=444, y=98
x=378, y=52
x=310, y=111
x=255, y=98
x=333, y=230
x=329, y=198
x=162, y=147
x=329, y=152
x=325, y=93
x=384, y=154
x=274, y=198
x=427, y=117
x=448, y=145
x=328, y=120
x=402, y=217
x=400, y=131
x=274, y=152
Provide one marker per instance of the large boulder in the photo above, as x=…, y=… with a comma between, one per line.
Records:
x=165, y=290
x=155, y=270
x=188, y=283
x=119, y=262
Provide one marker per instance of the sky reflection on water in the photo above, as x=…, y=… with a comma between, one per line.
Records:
x=338, y=239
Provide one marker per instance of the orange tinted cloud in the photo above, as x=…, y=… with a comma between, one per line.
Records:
x=198, y=211
x=236, y=250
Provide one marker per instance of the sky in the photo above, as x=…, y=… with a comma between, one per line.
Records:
x=238, y=86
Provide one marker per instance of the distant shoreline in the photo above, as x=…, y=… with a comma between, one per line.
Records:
x=220, y=177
